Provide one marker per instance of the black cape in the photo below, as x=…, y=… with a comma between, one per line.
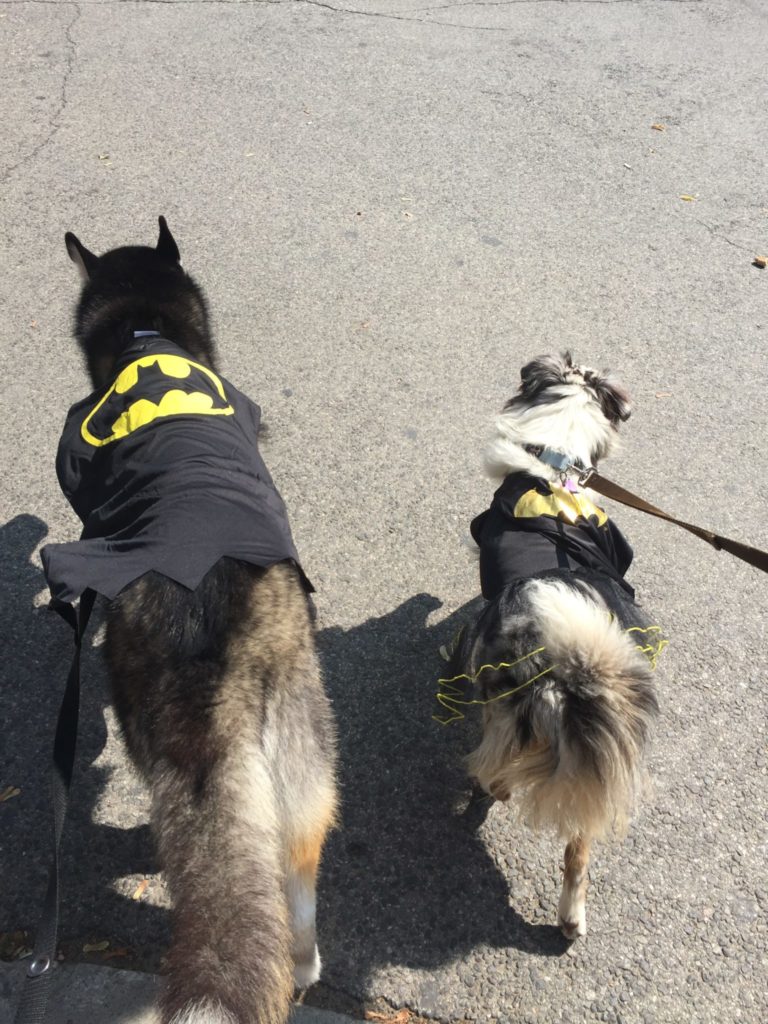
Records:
x=163, y=469
x=533, y=526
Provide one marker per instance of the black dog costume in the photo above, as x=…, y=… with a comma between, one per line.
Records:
x=535, y=529
x=174, y=500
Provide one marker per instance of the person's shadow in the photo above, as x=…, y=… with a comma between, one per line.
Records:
x=33, y=672
x=407, y=879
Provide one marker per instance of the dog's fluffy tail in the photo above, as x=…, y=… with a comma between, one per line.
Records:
x=218, y=840
x=579, y=764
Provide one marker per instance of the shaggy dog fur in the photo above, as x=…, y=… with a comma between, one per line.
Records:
x=220, y=699
x=561, y=658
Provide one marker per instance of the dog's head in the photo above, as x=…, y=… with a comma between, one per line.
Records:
x=136, y=288
x=549, y=379
x=568, y=408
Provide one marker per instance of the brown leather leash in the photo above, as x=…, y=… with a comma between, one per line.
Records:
x=753, y=556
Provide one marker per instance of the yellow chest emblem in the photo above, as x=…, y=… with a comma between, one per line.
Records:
x=560, y=503
x=118, y=414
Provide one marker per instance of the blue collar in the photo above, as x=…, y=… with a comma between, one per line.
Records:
x=563, y=464
x=146, y=334
x=557, y=460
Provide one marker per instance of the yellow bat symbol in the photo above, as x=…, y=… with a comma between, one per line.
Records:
x=560, y=503
x=173, y=402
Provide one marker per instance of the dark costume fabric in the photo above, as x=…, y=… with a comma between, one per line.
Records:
x=533, y=526
x=164, y=471
x=535, y=530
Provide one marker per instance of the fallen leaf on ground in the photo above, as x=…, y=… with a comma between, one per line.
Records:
x=9, y=793
x=141, y=888
x=688, y=199
x=760, y=261
x=13, y=945
x=96, y=947
x=659, y=127
x=663, y=394
x=120, y=951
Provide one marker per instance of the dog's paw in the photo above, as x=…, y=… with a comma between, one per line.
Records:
x=572, y=913
x=308, y=972
x=574, y=927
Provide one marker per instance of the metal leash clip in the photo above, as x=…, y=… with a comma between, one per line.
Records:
x=583, y=474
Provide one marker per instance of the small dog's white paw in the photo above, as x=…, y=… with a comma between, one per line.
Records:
x=572, y=916
x=307, y=973
x=572, y=929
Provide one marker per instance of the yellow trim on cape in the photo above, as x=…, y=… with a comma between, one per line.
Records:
x=651, y=650
x=449, y=696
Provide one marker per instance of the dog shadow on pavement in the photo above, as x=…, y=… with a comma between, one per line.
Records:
x=407, y=879
x=33, y=674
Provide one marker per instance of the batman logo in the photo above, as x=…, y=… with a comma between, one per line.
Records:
x=142, y=393
x=560, y=503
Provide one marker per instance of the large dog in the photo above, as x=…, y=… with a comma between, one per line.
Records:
x=210, y=638
x=561, y=658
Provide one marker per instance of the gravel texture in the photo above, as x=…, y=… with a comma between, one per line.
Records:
x=392, y=205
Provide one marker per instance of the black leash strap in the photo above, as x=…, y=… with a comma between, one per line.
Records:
x=34, y=996
x=753, y=556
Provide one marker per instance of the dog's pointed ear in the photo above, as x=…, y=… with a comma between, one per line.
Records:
x=166, y=246
x=614, y=401
x=84, y=260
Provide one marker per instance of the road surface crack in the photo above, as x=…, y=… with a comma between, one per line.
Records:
x=718, y=234
x=54, y=123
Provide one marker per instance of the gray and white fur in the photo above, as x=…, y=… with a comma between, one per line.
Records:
x=567, y=750
x=220, y=699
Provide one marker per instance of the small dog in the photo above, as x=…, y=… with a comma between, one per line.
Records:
x=561, y=658
x=210, y=638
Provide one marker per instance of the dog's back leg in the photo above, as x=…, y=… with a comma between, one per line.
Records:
x=301, y=881
x=571, y=911
x=301, y=734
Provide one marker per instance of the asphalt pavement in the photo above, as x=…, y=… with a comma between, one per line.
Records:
x=392, y=205
x=106, y=995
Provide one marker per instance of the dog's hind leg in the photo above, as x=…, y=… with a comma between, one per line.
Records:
x=572, y=911
x=301, y=881
x=302, y=739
